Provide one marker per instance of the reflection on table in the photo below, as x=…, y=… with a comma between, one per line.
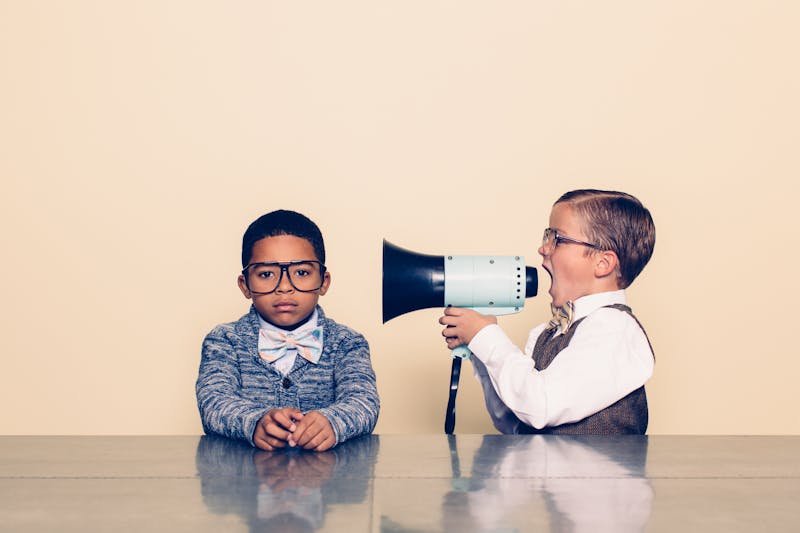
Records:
x=582, y=484
x=560, y=483
x=287, y=490
x=402, y=483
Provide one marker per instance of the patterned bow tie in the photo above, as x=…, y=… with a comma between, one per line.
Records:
x=272, y=345
x=562, y=316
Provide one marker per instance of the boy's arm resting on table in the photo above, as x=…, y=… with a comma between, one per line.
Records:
x=355, y=409
x=223, y=409
x=607, y=358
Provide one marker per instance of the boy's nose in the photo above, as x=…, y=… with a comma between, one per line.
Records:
x=284, y=285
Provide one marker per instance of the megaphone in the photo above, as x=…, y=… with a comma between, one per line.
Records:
x=491, y=285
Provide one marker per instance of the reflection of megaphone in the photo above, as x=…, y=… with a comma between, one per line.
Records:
x=492, y=285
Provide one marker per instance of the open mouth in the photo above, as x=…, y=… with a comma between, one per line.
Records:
x=552, y=281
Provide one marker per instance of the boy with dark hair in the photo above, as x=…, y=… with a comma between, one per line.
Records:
x=284, y=374
x=584, y=371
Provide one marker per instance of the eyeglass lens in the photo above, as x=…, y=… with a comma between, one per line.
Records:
x=265, y=278
x=548, y=240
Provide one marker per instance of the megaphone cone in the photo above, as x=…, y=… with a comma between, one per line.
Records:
x=411, y=281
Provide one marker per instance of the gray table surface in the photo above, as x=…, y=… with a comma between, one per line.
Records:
x=395, y=483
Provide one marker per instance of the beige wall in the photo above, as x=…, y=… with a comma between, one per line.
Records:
x=138, y=139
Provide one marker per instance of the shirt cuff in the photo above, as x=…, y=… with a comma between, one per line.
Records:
x=490, y=341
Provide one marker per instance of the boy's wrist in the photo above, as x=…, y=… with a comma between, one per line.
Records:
x=484, y=322
x=251, y=424
x=481, y=340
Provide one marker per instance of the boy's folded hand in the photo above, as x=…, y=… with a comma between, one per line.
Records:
x=275, y=428
x=313, y=432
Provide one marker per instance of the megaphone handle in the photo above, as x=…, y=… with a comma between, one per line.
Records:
x=461, y=352
x=450, y=415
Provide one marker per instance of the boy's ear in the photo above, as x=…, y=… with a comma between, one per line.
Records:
x=243, y=287
x=607, y=263
x=326, y=282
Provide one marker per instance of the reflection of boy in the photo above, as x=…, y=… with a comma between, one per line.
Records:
x=588, y=483
x=584, y=371
x=285, y=374
x=288, y=491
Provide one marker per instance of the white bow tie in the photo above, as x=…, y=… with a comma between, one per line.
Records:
x=272, y=345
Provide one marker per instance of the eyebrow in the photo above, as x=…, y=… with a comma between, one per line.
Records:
x=279, y=263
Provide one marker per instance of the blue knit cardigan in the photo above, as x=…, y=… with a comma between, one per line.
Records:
x=235, y=387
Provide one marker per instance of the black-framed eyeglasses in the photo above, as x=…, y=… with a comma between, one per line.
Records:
x=551, y=239
x=265, y=278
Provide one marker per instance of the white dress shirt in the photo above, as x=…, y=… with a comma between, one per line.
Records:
x=608, y=358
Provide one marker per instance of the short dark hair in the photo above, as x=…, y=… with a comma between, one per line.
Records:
x=618, y=222
x=282, y=222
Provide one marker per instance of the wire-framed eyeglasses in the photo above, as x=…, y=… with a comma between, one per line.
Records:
x=551, y=239
x=265, y=278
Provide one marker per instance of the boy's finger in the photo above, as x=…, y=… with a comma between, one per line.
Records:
x=274, y=444
x=277, y=433
x=317, y=425
x=304, y=432
x=326, y=443
x=313, y=438
x=449, y=331
x=261, y=444
x=259, y=437
x=321, y=432
x=265, y=442
x=276, y=430
x=452, y=342
x=286, y=418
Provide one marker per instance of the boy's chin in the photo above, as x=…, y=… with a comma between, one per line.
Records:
x=559, y=301
x=287, y=321
x=555, y=299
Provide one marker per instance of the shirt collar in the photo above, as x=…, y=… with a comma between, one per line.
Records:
x=585, y=305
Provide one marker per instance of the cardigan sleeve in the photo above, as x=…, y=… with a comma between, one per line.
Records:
x=355, y=409
x=223, y=408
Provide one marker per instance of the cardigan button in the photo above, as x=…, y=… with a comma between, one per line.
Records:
x=287, y=383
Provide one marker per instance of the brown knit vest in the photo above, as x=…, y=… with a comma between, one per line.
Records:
x=627, y=416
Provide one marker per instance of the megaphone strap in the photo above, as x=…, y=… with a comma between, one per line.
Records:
x=450, y=415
